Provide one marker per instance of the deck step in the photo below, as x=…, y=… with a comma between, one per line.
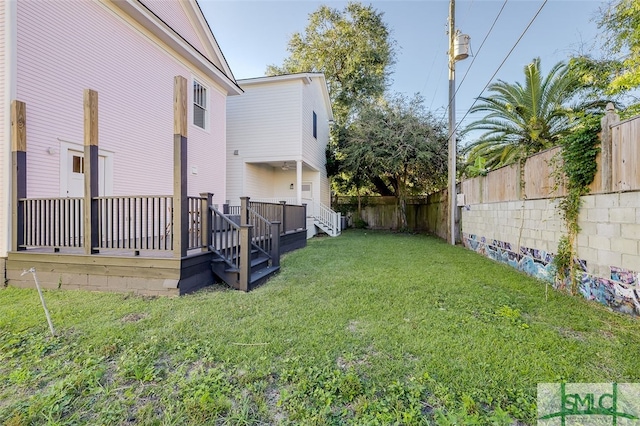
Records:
x=262, y=275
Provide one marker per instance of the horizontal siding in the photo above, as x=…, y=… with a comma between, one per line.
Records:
x=261, y=123
x=314, y=149
x=4, y=144
x=258, y=182
x=264, y=121
x=173, y=13
x=66, y=47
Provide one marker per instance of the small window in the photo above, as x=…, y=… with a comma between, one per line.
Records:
x=199, y=105
x=315, y=125
x=78, y=164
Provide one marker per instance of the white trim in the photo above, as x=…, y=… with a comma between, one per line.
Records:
x=208, y=110
x=65, y=147
x=10, y=85
x=306, y=78
x=158, y=28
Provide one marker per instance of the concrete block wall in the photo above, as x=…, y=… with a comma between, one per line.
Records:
x=525, y=234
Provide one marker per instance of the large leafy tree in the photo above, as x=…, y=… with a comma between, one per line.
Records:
x=621, y=22
x=521, y=119
x=354, y=50
x=398, y=144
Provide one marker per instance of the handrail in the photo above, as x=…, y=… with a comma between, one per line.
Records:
x=226, y=238
x=261, y=232
x=327, y=217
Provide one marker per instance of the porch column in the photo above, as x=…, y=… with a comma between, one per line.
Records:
x=18, y=172
x=299, y=182
x=90, y=239
x=180, y=201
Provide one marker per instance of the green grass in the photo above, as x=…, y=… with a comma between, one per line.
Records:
x=368, y=328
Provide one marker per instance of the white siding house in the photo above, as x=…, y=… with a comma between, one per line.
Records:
x=277, y=134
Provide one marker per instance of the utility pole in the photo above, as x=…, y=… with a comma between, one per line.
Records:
x=452, y=126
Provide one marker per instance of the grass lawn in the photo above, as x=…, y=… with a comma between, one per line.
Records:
x=368, y=328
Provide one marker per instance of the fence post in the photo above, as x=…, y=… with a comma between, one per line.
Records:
x=244, y=211
x=275, y=245
x=180, y=210
x=606, y=140
x=206, y=220
x=91, y=221
x=245, y=257
x=18, y=172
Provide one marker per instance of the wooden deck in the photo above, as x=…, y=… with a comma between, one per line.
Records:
x=150, y=273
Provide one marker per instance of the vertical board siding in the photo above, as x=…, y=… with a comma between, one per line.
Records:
x=66, y=47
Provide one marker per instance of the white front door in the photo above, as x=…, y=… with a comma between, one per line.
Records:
x=307, y=192
x=75, y=174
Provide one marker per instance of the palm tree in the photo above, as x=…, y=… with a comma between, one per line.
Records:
x=522, y=120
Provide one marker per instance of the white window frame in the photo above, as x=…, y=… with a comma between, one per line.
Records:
x=204, y=99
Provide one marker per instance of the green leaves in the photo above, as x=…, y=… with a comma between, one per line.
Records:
x=524, y=119
x=352, y=47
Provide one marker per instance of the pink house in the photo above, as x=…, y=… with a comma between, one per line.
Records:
x=105, y=78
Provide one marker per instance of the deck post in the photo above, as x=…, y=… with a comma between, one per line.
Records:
x=18, y=172
x=244, y=211
x=207, y=222
x=284, y=218
x=275, y=244
x=245, y=257
x=90, y=240
x=180, y=200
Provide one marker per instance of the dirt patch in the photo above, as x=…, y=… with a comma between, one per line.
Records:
x=134, y=317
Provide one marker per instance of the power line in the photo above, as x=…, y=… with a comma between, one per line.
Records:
x=480, y=48
x=478, y=52
x=503, y=62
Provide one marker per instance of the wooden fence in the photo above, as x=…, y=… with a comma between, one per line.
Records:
x=618, y=170
x=505, y=184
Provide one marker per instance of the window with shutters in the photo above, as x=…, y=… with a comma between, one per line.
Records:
x=199, y=105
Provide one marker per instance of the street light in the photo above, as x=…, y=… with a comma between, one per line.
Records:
x=458, y=50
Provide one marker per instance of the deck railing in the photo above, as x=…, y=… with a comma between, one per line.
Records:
x=291, y=217
x=124, y=222
x=135, y=222
x=53, y=222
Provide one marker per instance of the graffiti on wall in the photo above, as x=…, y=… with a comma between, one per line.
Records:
x=620, y=290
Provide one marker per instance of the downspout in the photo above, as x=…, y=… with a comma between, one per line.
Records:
x=10, y=89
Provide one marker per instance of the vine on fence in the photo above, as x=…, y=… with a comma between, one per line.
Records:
x=576, y=170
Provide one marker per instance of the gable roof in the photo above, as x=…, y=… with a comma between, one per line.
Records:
x=307, y=78
x=195, y=41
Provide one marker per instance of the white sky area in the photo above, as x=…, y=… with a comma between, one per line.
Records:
x=254, y=34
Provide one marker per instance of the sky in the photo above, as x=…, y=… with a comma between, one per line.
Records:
x=254, y=34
